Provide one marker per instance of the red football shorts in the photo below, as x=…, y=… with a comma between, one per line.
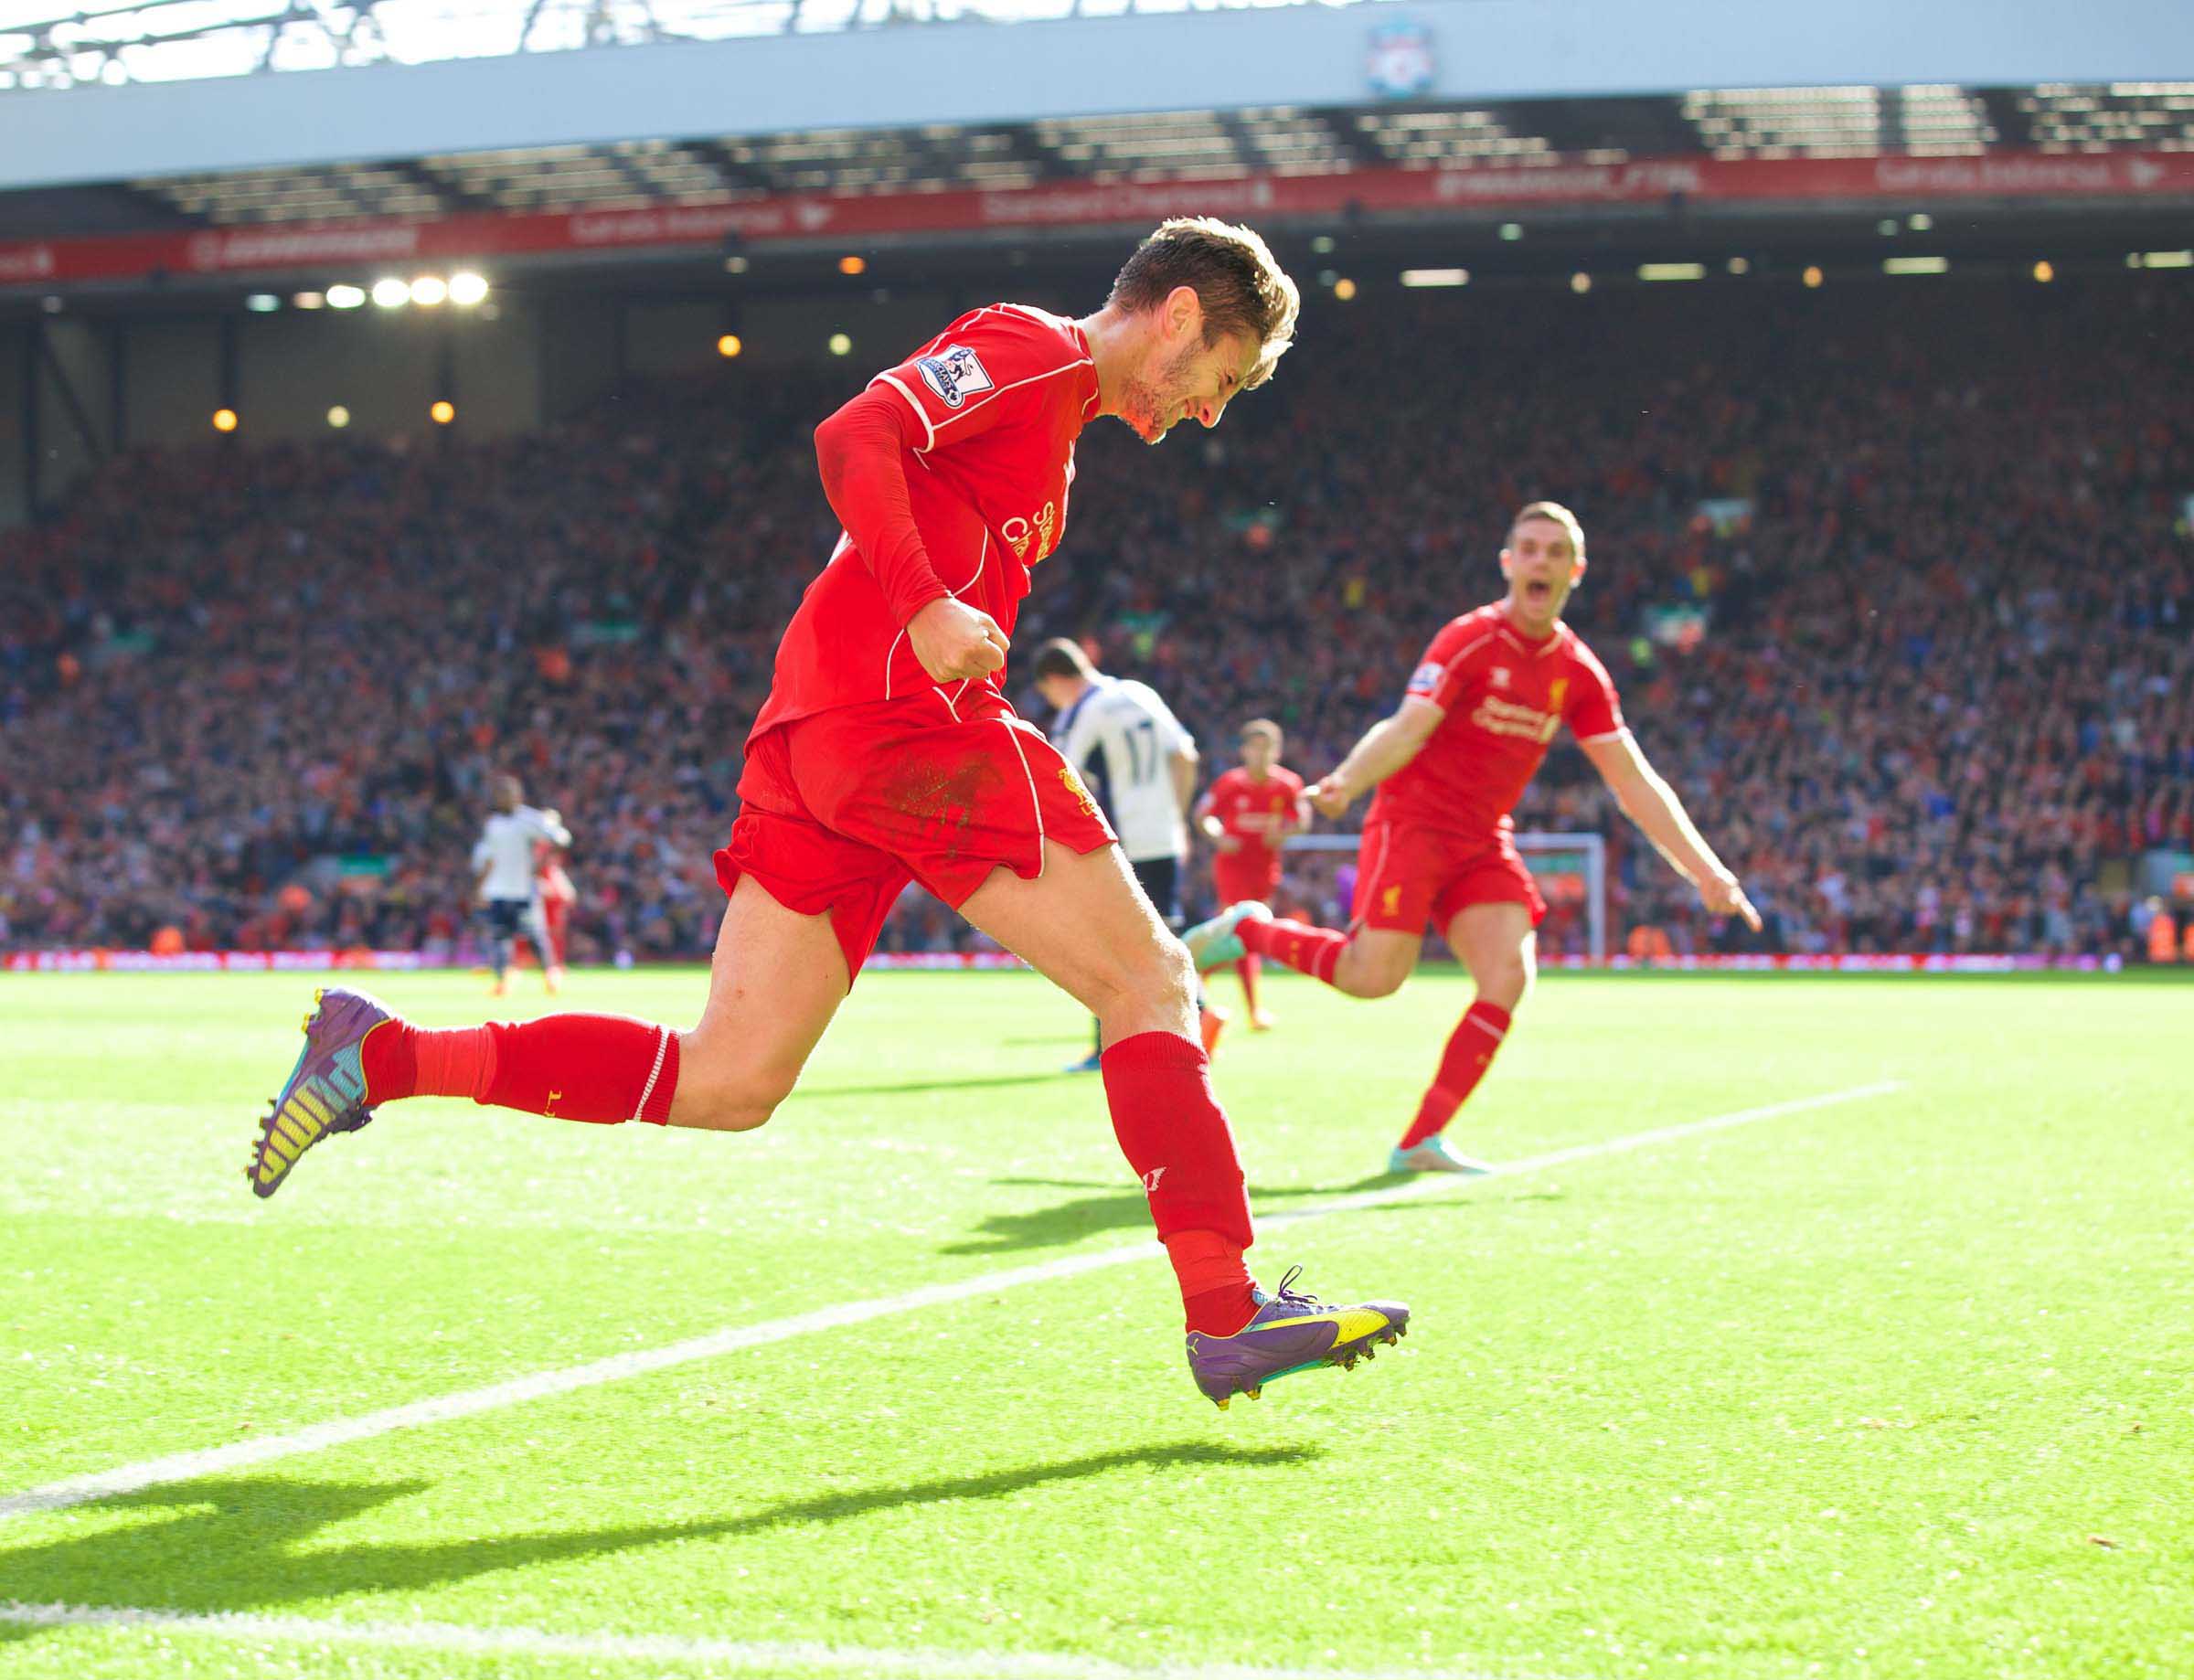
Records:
x=841, y=809
x=1408, y=874
x=1235, y=877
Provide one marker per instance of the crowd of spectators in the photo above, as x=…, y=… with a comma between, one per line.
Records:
x=1897, y=583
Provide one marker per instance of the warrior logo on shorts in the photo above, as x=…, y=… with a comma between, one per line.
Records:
x=955, y=373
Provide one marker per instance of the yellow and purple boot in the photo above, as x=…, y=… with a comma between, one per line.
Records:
x=326, y=1091
x=1291, y=1332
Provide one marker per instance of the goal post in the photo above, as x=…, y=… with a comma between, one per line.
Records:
x=1571, y=868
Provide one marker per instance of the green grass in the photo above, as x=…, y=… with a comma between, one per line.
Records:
x=1895, y=1386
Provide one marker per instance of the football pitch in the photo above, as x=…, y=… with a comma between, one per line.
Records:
x=1825, y=1326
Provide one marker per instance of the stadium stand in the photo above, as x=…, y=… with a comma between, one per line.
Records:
x=1895, y=580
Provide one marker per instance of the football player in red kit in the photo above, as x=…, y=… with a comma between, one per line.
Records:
x=558, y=897
x=1438, y=844
x=886, y=752
x=1247, y=814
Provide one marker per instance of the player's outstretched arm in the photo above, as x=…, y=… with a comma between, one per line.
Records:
x=1387, y=746
x=1653, y=805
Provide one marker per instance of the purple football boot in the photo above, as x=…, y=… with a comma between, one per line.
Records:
x=1291, y=1332
x=326, y=1089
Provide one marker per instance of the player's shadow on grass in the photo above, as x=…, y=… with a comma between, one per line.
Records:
x=1085, y=1216
x=247, y=1544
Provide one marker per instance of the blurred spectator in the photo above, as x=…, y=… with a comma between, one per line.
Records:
x=1896, y=582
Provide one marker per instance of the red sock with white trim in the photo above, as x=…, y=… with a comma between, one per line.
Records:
x=1470, y=1050
x=1176, y=1138
x=1306, y=950
x=602, y=1070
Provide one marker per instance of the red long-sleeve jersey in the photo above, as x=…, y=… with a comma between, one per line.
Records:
x=950, y=476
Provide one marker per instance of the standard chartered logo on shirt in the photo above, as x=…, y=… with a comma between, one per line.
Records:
x=1045, y=529
x=1506, y=717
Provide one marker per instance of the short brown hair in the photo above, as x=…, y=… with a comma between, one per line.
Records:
x=1235, y=276
x=1262, y=728
x=1560, y=515
x=1061, y=658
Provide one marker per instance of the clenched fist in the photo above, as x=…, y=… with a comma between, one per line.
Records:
x=953, y=641
x=1332, y=796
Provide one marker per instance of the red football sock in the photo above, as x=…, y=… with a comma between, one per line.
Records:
x=388, y=1062
x=1306, y=950
x=457, y=1062
x=400, y=1060
x=1215, y=1284
x=1246, y=970
x=600, y=1068
x=1463, y=1064
x=1175, y=1136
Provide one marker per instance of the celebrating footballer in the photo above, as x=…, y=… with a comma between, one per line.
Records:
x=1445, y=771
x=886, y=752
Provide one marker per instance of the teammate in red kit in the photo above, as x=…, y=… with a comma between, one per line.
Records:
x=1247, y=814
x=1449, y=766
x=557, y=895
x=886, y=752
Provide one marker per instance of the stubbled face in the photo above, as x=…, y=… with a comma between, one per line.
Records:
x=1542, y=567
x=1182, y=378
x=1258, y=754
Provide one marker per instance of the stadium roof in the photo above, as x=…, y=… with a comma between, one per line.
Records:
x=846, y=88
x=1727, y=125
x=47, y=45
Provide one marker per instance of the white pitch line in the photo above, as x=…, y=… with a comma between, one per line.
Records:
x=540, y=1384
x=1576, y=1152
x=720, y=1655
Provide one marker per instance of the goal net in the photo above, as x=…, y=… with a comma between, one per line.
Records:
x=1571, y=870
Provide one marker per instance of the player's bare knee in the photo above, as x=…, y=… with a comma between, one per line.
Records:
x=1382, y=982
x=716, y=1094
x=1154, y=983
x=1366, y=978
x=1176, y=975
x=739, y=1107
x=1505, y=984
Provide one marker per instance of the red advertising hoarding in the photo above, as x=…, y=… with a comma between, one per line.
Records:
x=361, y=246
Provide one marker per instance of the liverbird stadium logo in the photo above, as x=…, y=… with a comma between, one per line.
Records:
x=1401, y=60
x=955, y=373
